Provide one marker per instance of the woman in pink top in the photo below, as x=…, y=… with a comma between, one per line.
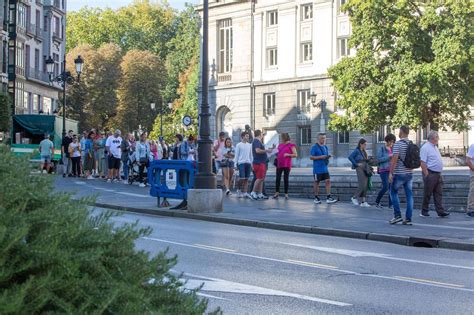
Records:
x=286, y=151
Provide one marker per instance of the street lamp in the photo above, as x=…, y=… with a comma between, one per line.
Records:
x=64, y=78
x=205, y=178
x=153, y=106
x=313, y=98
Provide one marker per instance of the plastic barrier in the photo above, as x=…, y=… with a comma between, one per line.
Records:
x=171, y=179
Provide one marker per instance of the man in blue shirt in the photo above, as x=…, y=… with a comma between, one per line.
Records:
x=320, y=157
x=259, y=164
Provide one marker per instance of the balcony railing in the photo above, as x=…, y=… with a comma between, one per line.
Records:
x=30, y=29
x=39, y=32
x=224, y=77
x=33, y=73
x=57, y=37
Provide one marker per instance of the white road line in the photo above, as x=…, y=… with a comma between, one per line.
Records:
x=80, y=183
x=349, y=272
x=213, y=247
x=131, y=194
x=224, y=286
x=353, y=253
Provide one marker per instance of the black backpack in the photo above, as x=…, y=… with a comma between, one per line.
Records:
x=412, y=157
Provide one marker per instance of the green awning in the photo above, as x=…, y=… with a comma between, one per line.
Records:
x=36, y=124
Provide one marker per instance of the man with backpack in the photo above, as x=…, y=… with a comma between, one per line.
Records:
x=405, y=158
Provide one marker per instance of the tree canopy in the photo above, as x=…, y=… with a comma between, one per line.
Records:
x=172, y=36
x=413, y=65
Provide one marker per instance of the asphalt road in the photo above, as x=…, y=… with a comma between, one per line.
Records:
x=257, y=271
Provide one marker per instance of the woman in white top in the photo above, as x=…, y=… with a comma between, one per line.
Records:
x=143, y=157
x=227, y=164
x=75, y=154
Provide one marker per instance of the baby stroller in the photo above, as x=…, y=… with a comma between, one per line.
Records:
x=134, y=171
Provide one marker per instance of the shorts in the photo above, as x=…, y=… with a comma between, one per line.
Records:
x=114, y=163
x=46, y=159
x=228, y=164
x=321, y=177
x=259, y=170
x=244, y=170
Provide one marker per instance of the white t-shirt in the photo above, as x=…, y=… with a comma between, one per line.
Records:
x=243, y=153
x=470, y=153
x=75, y=149
x=114, y=146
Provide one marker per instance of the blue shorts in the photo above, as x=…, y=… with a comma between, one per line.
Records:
x=244, y=170
x=46, y=159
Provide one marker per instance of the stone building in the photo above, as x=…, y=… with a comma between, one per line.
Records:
x=268, y=57
x=36, y=30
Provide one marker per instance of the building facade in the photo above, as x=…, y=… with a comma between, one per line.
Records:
x=268, y=57
x=36, y=30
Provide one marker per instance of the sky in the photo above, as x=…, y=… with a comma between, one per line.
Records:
x=74, y=5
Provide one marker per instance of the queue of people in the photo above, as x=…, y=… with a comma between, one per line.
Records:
x=111, y=157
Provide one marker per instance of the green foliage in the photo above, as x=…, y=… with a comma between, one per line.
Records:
x=56, y=257
x=93, y=101
x=413, y=65
x=143, y=77
x=170, y=35
x=5, y=113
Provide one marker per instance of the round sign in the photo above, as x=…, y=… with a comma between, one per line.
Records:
x=187, y=120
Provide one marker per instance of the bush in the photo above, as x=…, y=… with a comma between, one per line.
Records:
x=57, y=258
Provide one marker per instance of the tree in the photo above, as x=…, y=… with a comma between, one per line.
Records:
x=143, y=79
x=186, y=104
x=94, y=98
x=59, y=257
x=5, y=113
x=412, y=65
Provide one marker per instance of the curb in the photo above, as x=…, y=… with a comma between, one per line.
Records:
x=387, y=238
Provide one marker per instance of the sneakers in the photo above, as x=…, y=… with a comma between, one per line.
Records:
x=253, y=196
x=407, y=222
x=330, y=200
x=424, y=214
x=227, y=192
x=443, y=215
x=90, y=177
x=262, y=196
x=125, y=182
x=317, y=200
x=246, y=195
x=396, y=220
x=378, y=205
x=365, y=204
x=142, y=185
x=355, y=201
x=109, y=180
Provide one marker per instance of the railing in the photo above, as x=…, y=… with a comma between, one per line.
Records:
x=57, y=36
x=39, y=32
x=453, y=152
x=37, y=74
x=30, y=29
x=223, y=77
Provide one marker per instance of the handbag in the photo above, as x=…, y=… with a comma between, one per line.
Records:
x=143, y=160
x=275, y=162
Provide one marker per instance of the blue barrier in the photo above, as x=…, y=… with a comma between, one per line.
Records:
x=171, y=179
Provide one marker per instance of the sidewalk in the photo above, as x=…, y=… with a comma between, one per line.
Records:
x=297, y=215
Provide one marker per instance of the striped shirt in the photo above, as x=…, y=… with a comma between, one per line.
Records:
x=400, y=147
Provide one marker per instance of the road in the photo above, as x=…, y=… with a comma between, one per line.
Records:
x=257, y=271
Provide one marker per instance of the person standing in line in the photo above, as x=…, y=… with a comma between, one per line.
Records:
x=177, y=147
x=74, y=150
x=286, y=152
x=82, y=141
x=142, y=156
x=154, y=149
x=260, y=158
x=67, y=140
x=470, y=197
x=113, y=147
x=164, y=148
x=89, y=155
x=432, y=167
x=320, y=157
x=384, y=154
x=400, y=176
x=359, y=160
x=243, y=159
x=125, y=147
x=227, y=164
x=190, y=147
x=46, y=148
x=102, y=165
x=218, y=145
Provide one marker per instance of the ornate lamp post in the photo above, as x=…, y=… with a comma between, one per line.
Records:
x=64, y=78
x=320, y=104
x=153, y=106
x=205, y=178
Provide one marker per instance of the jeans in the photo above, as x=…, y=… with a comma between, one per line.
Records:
x=126, y=170
x=385, y=187
x=405, y=180
x=470, y=199
x=67, y=165
x=76, y=169
x=286, y=178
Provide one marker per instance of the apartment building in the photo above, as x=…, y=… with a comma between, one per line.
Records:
x=36, y=30
x=269, y=62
